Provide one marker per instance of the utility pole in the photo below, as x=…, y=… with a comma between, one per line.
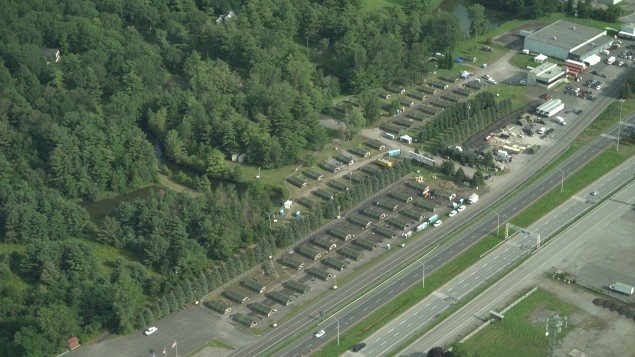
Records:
x=561, y=180
x=554, y=326
x=619, y=127
x=498, y=223
x=423, y=275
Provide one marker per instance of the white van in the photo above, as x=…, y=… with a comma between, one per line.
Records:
x=542, y=130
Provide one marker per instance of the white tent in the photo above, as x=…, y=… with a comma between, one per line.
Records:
x=540, y=58
x=406, y=138
x=592, y=60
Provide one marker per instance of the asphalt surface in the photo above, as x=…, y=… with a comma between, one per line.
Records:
x=401, y=279
x=463, y=321
x=405, y=326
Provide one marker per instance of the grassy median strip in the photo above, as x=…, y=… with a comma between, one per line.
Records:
x=582, y=178
x=408, y=298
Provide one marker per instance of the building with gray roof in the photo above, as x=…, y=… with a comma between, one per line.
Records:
x=563, y=39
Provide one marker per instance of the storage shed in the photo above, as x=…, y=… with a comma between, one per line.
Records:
x=401, y=196
x=340, y=234
x=323, y=194
x=308, y=252
x=280, y=298
x=296, y=286
x=355, y=178
x=371, y=170
x=338, y=185
x=421, y=187
x=245, y=320
x=324, y=243
x=296, y=181
x=350, y=253
x=235, y=296
x=439, y=85
x=364, y=244
x=462, y=91
x=358, y=220
x=319, y=273
x=397, y=223
x=334, y=263
x=428, y=90
x=373, y=213
x=254, y=286
x=427, y=110
x=345, y=159
x=388, y=205
x=448, y=195
x=306, y=202
x=383, y=231
x=291, y=262
x=359, y=152
x=262, y=309
x=330, y=167
x=412, y=214
x=313, y=175
x=219, y=307
x=375, y=144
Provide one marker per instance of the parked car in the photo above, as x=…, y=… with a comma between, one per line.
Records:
x=453, y=213
x=320, y=333
x=458, y=60
x=461, y=208
x=150, y=331
x=438, y=223
x=523, y=82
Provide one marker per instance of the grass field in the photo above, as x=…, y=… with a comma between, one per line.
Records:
x=407, y=299
x=517, y=335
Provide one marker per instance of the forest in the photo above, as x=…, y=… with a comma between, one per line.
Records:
x=88, y=87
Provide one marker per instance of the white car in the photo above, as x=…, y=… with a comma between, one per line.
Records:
x=150, y=331
x=453, y=213
x=320, y=333
x=437, y=223
x=461, y=208
x=487, y=76
x=523, y=82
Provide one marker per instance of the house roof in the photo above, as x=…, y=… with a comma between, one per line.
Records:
x=219, y=306
x=319, y=273
x=297, y=286
x=350, y=253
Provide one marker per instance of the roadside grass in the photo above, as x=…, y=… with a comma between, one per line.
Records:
x=590, y=172
x=517, y=334
x=407, y=299
x=213, y=343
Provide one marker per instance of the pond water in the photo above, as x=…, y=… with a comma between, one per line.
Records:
x=460, y=9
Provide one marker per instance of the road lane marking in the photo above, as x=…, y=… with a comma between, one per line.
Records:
x=461, y=282
x=484, y=265
x=391, y=330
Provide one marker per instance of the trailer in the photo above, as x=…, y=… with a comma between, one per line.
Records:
x=622, y=288
x=550, y=108
x=385, y=163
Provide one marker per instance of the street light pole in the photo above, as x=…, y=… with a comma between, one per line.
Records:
x=338, y=330
x=561, y=180
x=423, y=275
x=498, y=223
x=619, y=126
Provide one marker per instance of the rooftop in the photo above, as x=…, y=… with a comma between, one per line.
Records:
x=565, y=34
x=597, y=42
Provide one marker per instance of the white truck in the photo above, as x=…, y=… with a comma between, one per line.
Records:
x=560, y=120
x=610, y=60
x=472, y=199
x=503, y=156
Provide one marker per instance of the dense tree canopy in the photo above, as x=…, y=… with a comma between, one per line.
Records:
x=203, y=85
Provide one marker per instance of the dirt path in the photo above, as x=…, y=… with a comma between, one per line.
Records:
x=175, y=186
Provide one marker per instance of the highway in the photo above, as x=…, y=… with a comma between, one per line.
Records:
x=406, y=325
x=400, y=279
x=463, y=320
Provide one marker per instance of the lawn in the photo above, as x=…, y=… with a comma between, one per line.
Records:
x=407, y=299
x=522, y=332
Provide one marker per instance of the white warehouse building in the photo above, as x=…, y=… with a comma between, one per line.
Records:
x=547, y=75
x=563, y=39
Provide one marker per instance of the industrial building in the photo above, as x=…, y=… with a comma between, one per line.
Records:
x=627, y=31
x=563, y=39
x=547, y=75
